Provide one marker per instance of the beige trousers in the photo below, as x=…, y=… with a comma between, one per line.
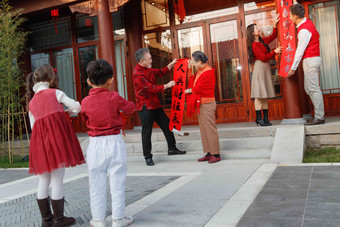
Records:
x=206, y=120
x=311, y=68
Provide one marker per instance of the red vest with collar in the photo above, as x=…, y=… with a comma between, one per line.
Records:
x=313, y=48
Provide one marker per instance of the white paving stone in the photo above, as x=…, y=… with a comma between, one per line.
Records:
x=289, y=145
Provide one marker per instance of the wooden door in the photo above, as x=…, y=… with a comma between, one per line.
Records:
x=85, y=55
x=123, y=79
x=227, y=53
x=326, y=18
x=219, y=39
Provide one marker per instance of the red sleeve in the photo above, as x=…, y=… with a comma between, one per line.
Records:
x=126, y=106
x=270, y=38
x=259, y=54
x=83, y=112
x=160, y=72
x=146, y=85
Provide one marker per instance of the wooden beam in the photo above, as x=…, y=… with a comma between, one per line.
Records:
x=38, y=5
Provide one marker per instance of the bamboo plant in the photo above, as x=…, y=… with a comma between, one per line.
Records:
x=12, y=43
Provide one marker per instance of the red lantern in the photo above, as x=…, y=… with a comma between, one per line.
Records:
x=55, y=13
x=88, y=22
x=55, y=16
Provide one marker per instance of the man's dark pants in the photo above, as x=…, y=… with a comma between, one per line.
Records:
x=148, y=117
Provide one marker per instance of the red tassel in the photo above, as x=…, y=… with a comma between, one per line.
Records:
x=125, y=120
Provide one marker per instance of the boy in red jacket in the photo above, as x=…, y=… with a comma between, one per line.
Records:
x=106, y=153
x=308, y=50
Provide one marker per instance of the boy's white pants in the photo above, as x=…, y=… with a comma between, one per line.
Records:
x=106, y=155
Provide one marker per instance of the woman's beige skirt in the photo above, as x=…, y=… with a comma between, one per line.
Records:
x=262, y=82
x=206, y=121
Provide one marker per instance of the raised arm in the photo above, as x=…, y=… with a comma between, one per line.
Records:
x=270, y=38
x=160, y=72
x=262, y=55
x=147, y=86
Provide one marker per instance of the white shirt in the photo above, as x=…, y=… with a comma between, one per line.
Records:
x=72, y=105
x=304, y=37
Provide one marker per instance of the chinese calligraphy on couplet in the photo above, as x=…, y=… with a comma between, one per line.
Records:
x=178, y=96
x=286, y=37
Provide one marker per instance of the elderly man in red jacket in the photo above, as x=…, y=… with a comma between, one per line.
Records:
x=147, y=102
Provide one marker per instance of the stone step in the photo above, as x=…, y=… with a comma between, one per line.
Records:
x=249, y=143
x=194, y=155
x=194, y=133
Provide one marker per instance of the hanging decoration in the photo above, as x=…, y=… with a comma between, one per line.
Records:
x=180, y=10
x=178, y=96
x=286, y=34
x=55, y=17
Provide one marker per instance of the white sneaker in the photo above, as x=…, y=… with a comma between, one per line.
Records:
x=125, y=221
x=101, y=223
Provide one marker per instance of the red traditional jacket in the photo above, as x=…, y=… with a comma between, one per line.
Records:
x=146, y=89
x=101, y=112
x=203, y=88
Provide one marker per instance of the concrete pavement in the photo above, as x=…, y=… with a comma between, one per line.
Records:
x=171, y=193
x=188, y=193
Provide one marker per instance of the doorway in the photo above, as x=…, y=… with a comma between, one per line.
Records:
x=219, y=39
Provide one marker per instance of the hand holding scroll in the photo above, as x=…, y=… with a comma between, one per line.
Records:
x=291, y=73
x=171, y=64
x=277, y=19
x=278, y=50
x=170, y=84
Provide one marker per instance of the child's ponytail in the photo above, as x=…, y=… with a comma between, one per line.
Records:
x=29, y=87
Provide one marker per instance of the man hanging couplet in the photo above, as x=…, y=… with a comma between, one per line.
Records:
x=286, y=36
x=178, y=97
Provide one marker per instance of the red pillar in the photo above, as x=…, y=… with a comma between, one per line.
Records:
x=305, y=106
x=106, y=37
x=291, y=97
x=133, y=23
x=134, y=29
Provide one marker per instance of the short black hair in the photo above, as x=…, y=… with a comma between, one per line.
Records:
x=99, y=72
x=200, y=56
x=140, y=53
x=298, y=10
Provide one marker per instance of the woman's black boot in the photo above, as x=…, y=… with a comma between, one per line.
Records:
x=259, y=120
x=265, y=117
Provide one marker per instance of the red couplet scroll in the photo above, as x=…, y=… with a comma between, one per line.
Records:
x=287, y=36
x=178, y=96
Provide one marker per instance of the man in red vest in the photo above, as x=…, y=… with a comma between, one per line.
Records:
x=308, y=50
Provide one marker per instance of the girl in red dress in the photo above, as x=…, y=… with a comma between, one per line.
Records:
x=262, y=86
x=54, y=144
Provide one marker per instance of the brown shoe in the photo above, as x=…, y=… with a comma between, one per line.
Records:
x=45, y=211
x=310, y=120
x=58, y=210
x=315, y=122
